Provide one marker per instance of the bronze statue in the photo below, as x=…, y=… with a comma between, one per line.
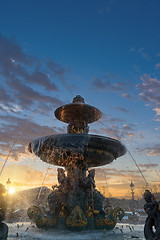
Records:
x=153, y=219
x=3, y=226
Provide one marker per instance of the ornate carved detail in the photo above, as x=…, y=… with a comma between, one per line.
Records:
x=40, y=219
x=77, y=218
x=63, y=212
x=111, y=219
x=78, y=127
x=89, y=212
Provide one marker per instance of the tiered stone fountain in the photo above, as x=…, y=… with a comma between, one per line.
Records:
x=76, y=204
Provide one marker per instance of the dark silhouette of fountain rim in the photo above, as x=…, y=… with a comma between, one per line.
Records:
x=93, y=150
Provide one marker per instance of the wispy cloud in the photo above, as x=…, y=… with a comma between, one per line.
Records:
x=24, y=78
x=121, y=109
x=142, y=52
x=128, y=127
x=26, y=95
x=110, y=86
x=152, y=150
x=155, y=150
x=132, y=49
x=20, y=131
x=118, y=133
x=157, y=110
x=126, y=95
x=150, y=165
x=10, y=107
x=149, y=91
x=157, y=66
x=26, y=84
x=107, y=7
x=117, y=128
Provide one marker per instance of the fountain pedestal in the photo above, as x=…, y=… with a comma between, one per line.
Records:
x=76, y=204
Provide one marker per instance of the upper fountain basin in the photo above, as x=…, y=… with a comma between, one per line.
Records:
x=77, y=149
x=77, y=112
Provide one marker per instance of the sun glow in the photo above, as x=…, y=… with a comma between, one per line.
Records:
x=11, y=190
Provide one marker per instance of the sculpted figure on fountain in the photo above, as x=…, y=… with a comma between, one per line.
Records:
x=152, y=208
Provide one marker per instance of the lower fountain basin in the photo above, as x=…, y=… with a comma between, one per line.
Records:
x=77, y=149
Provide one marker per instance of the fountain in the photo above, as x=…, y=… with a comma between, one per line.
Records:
x=75, y=204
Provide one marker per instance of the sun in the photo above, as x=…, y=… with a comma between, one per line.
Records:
x=11, y=190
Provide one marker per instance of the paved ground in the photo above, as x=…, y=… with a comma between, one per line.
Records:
x=26, y=231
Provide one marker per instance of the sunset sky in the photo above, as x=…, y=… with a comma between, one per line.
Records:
x=108, y=51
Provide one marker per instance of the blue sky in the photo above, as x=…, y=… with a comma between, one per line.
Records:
x=108, y=51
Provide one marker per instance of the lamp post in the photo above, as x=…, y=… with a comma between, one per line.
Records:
x=132, y=193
